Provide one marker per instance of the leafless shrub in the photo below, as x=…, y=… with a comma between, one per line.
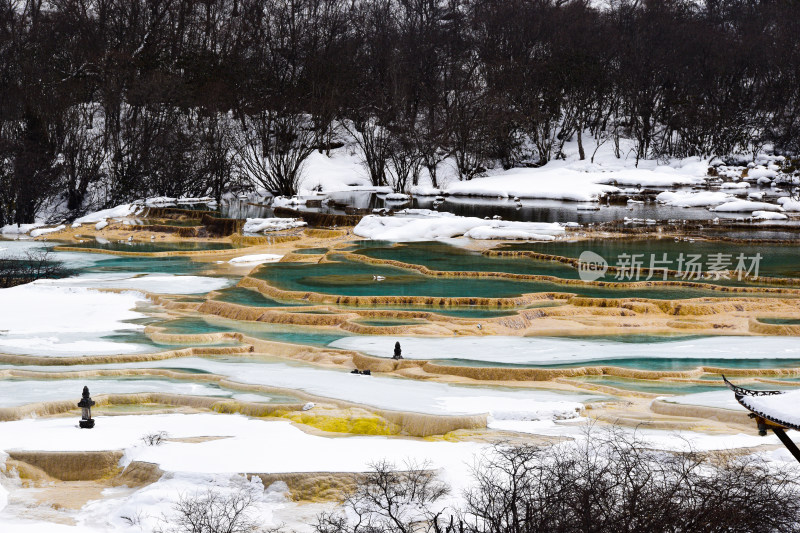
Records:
x=389, y=501
x=35, y=264
x=214, y=511
x=612, y=482
x=155, y=439
x=135, y=519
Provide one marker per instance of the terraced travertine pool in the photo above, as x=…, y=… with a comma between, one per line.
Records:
x=776, y=260
x=151, y=247
x=344, y=276
x=351, y=278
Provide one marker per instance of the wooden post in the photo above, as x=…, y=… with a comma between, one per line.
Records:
x=790, y=445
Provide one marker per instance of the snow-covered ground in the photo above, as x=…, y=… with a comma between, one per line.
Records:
x=155, y=283
x=193, y=466
x=65, y=320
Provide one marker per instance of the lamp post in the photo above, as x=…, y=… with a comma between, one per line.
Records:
x=398, y=352
x=86, y=403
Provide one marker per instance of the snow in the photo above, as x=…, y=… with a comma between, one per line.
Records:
x=761, y=172
x=422, y=225
x=282, y=201
x=166, y=200
x=425, y=190
x=60, y=321
x=379, y=391
x=36, y=308
x=243, y=449
x=155, y=283
x=555, y=184
x=782, y=407
x=44, y=231
x=735, y=185
x=397, y=197
x=20, y=392
x=256, y=259
x=100, y=225
x=19, y=229
x=258, y=225
x=154, y=503
x=736, y=206
x=789, y=204
x=96, y=217
x=693, y=199
x=768, y=215
x=342, y=171
x=551, y=350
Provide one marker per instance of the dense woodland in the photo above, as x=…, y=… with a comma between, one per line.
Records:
x=104, y=101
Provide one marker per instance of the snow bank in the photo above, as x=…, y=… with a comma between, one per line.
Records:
x=39, y=308
x=96, y=217
x=282, y=201
x=259, y=225
x=548, y=184
x=397, y=197
x=19, y=229
x=737, y=206
x=768, y=215
x=342, y=171
x=166, y=200
x=44, y=231
x=761, y=172
x=424, y=190
x=256, y=259
x=425, y=225
x=789, y=204
x=157, y=283
x=693, y=199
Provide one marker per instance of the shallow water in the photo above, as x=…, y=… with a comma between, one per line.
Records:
x=252, y=298
x=777, y=260
x=270, y=332
x=780, y=321
x=351, y=278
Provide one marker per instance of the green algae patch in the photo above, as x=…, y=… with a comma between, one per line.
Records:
x=339, y=422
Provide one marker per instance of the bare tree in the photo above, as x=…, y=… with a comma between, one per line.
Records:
x=272, y=147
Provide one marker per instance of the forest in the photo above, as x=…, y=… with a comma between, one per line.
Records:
x=106, y=101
